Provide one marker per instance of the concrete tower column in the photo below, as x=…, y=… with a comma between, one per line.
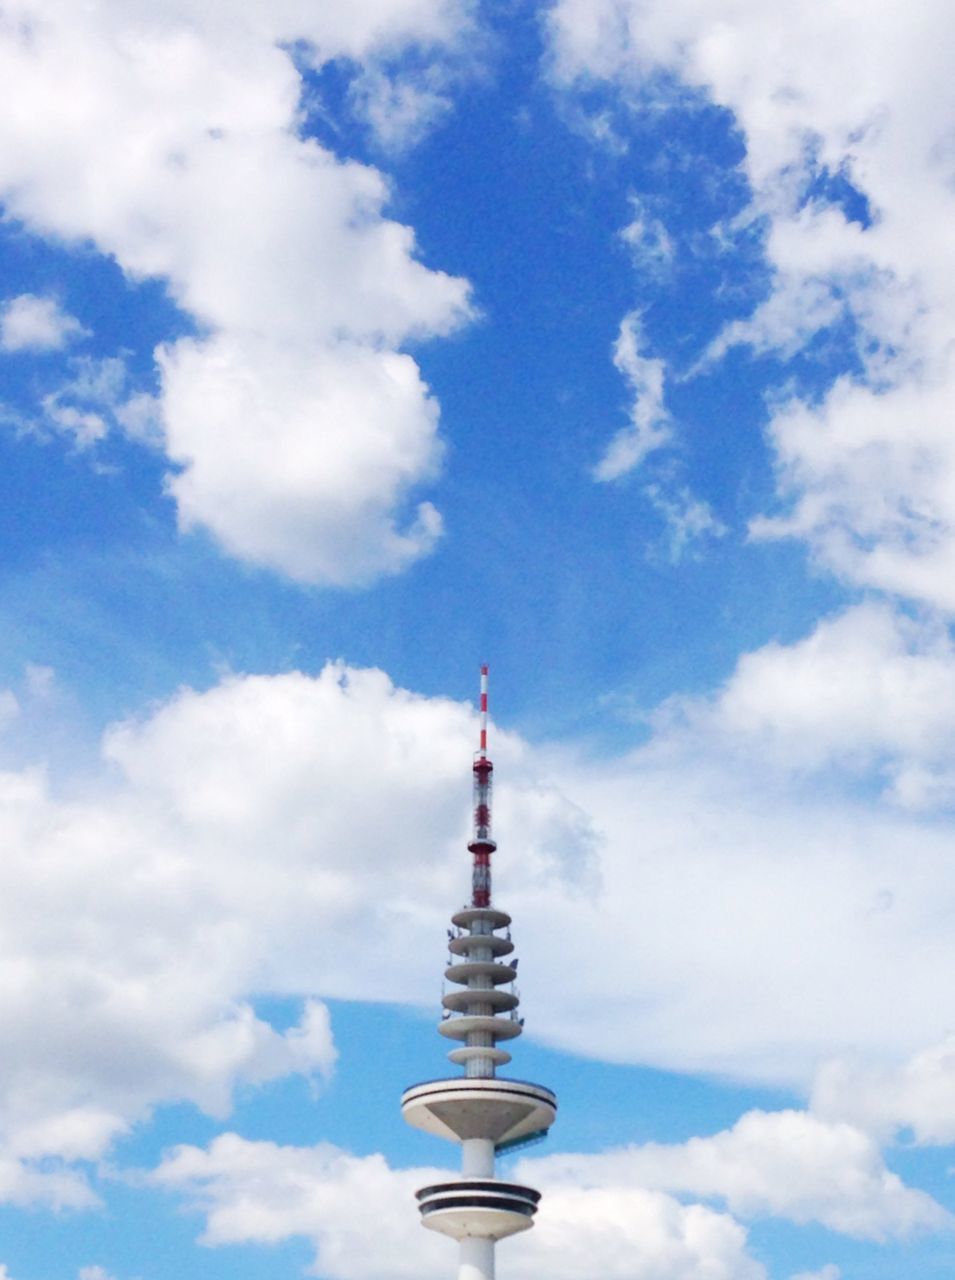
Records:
x=477, y=1259
x=477, y=1158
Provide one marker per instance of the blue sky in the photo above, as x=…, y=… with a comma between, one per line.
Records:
x=345, y=347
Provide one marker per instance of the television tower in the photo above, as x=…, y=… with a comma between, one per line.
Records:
x=485, y=1113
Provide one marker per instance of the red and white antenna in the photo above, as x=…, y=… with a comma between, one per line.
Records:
x=484, y=711
x=481, y=844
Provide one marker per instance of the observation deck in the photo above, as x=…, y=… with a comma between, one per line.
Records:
x=462, y=1108
x=482, y=1207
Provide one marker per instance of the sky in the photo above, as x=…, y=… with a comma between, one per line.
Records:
x=345, y=347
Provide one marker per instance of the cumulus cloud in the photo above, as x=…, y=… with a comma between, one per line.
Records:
x=121, y=991
x=51, y=1187
x=649, y=427
x=783, y=1164
x=227, y=843
x=917, y=1095
x=350, y=432
x=137, y=918
x=227, y=848
x=751, y=923
x=359, y=1214
x=869, y=473
x=137, y=131
x=630, y=1234
x=32, y=323
x=870, y=691
x=843, y=160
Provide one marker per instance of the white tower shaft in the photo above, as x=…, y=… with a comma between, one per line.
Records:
x=477, y=1259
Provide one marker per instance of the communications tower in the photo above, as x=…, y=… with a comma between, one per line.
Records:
x=484, y=1112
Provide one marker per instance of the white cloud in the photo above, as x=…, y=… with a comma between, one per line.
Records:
x=360, y=1216
x=829, y=1272
x=400, y=111
x=122, y=988
x=136, y=920
x=649, y=427
x=628, y=1233
x=147, y=131
x=870, y=473
x=788, y=320
x=359, y=1213
x=366, y=28
x=32, y=323
x=783, y=1164
x=85, y=426
x=349, y=433
x=756, y=924
x=870, y=691
x=93, y=397
x=93, y=1272
x=648, y=240
x=400, y=108
x=52, y=1187
x=883, y=1098
x=866, y=470
x=230, y=840
x=689, y=520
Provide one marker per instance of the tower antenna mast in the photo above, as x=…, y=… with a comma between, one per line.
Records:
x=482, y=845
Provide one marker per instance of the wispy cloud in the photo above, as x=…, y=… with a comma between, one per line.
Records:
x=838, y=180
x=650, y=426
x=30, y=323
x=689, y=521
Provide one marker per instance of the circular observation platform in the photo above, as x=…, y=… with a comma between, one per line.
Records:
x=496, y=1001
x=498, y=973
x=482, y=1207
x=462, y=1108
x=460, y=1028
x=468, y=942
x=467, y=917
x=461, y=1057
